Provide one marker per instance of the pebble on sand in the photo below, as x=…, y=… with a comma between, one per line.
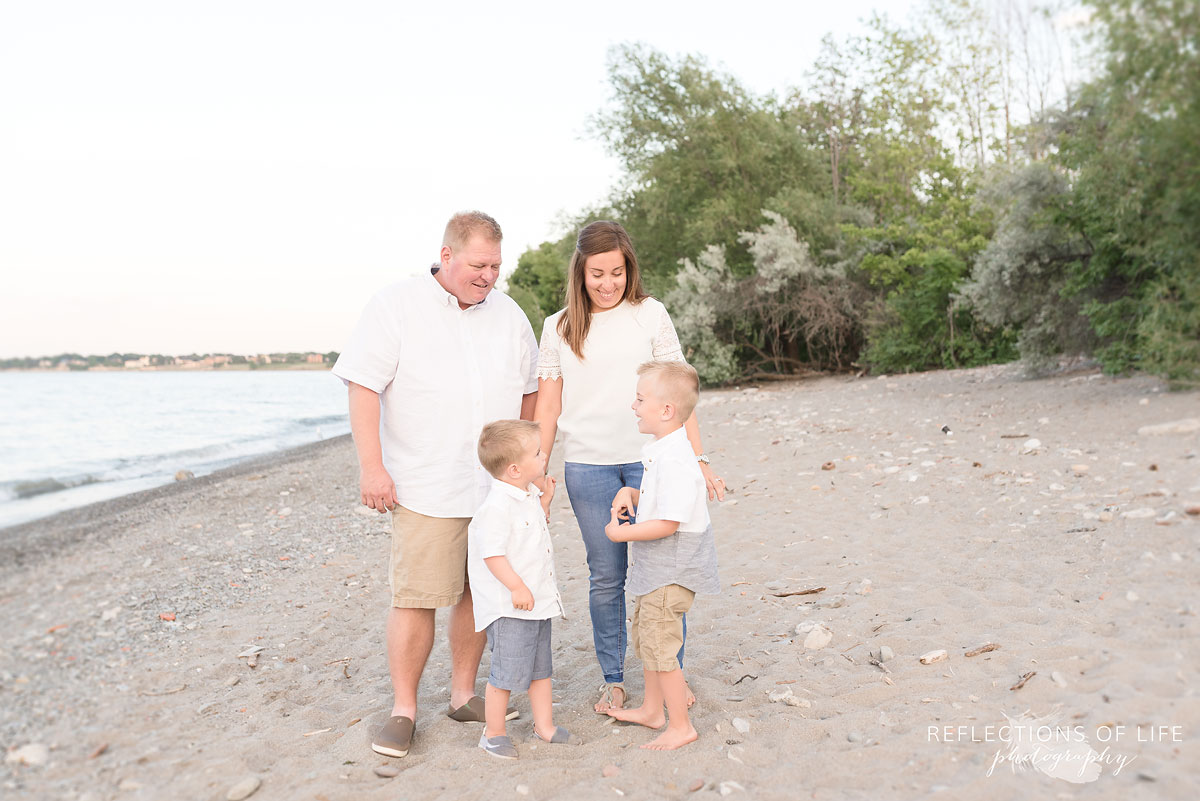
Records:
x=742, y=725
x=818, y=638
x=243, y=789
x=1031, y=446
x=1185, y=426
x=939, y=655
x=387, y=771
x=1135, y=514
x=696, y=784
x=34, y=754
x=886, y=653
x=608, y=771
x=184, y=475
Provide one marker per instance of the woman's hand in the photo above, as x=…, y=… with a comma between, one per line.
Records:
x=714, y=483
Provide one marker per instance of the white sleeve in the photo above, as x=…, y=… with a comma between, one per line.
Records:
x=666, y=341
x=489, y=529
x=529, y=355
x=548, y=364
x=372, y=355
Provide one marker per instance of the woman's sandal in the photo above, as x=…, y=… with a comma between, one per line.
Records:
x=607, y=701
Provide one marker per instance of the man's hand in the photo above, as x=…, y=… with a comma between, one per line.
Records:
x=522, y=598
x=377, y=490
x=614, y=528
x=547, y=495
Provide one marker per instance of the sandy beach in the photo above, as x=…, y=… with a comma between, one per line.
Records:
x=226, y=633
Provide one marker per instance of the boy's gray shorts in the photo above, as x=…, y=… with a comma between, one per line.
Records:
x=520, y=652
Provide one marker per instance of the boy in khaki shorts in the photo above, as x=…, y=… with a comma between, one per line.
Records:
x=672, y=554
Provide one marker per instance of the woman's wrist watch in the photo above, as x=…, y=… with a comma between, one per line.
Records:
x=703, y=459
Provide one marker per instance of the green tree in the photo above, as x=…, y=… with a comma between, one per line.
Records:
x=702, y=156
x=539, y=283
x=1131, y=143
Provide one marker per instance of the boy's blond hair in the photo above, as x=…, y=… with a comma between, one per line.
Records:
x=504, y=442
x=677, y=383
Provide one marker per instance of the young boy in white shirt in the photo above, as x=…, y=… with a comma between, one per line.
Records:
x=510, y=564
x=672, y=555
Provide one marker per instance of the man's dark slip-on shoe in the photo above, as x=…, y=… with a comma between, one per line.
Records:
x=394, y=738
x=473, y=712
x=498, y=746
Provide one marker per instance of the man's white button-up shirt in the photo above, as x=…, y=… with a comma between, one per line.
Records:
x=442, y=373
x=511, y=523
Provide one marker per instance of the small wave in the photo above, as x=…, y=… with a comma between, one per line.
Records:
x=20, y=490
x=323, y=420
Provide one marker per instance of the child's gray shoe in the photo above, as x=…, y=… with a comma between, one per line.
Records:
x=560, y=735
x=498, y=746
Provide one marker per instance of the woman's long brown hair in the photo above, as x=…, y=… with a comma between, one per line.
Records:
x=601, y=236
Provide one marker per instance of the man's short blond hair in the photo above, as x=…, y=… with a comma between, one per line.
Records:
x=504, y=442
x=465, y=224
x=677, y=383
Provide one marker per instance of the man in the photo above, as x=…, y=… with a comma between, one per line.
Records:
x=432, y=360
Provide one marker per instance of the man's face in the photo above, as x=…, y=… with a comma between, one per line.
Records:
x=469, y=272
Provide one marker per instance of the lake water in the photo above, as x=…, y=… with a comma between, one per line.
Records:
x=68, y=439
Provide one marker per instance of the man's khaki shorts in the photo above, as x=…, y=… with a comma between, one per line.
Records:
x=658, y=627
x=429, y=560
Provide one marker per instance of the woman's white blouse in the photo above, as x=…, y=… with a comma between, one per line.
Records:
x=597, y=424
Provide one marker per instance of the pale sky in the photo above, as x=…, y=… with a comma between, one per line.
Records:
x=242, y=176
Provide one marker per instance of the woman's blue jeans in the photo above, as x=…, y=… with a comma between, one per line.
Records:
x=591, y=488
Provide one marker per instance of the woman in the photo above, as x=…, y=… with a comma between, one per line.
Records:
x=586, y=381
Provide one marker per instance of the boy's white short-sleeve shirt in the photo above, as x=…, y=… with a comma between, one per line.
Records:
x=511, y=523
x=442, y=373
x=672, y=485
x=673, y=489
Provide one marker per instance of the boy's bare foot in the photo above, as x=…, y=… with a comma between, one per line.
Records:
x=650, y=718
x=669, y=740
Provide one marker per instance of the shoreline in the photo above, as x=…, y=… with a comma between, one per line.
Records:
x=228, y=368
x=16, y=539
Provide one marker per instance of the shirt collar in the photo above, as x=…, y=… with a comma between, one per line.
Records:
x=514, y=492
x=656, y=448
x=445, y=298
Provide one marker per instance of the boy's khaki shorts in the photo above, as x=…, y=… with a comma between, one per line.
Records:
x=658, y=627
x=429, y=560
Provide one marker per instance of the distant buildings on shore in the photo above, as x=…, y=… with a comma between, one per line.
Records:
x=193, y=361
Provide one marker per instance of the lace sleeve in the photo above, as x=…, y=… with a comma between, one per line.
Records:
x=549, y=366
x=666, y=341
